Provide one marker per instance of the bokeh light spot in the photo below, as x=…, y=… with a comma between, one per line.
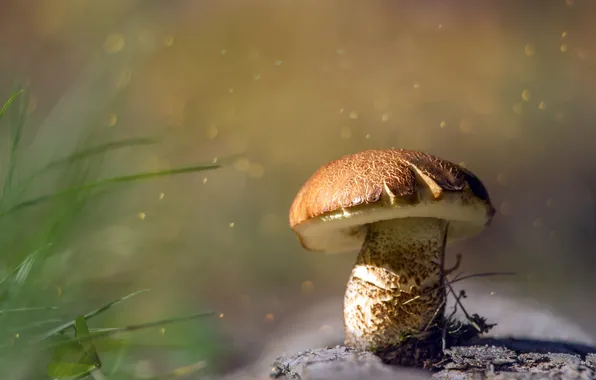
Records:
x=212, y=131
x=537, y=223
x=466, y=125
x=242, y=164
x=256, y=170
x=506, y=208
x=307, y=287
x=346, y=133
x=526, y=95
x=113, y=43
x=502, y=179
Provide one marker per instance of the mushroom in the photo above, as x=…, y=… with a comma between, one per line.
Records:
x=394, y=206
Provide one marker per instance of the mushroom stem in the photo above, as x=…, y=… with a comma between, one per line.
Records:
x=395, y=286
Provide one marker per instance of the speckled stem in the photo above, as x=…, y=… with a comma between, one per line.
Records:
x=394, y=289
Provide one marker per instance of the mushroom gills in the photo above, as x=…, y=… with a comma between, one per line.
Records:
x=394, y=289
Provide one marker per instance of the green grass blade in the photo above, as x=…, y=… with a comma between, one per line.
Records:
x=74, y=358
x=149, y=175
x=181, y=372
x=116, y=343
x=120, y=357
x=21, y=272
x=85, y=153
x=104, y=333
x=83, y=336
x=142, y=326
x=18, y=120
x=17, y=124
x=60, y=329
x=21, y=309
x=7, y=104
x=113, y=303
x=68, y=371
x=25, y=268
x=109, y=332
x=109, y=181
x=34, y=325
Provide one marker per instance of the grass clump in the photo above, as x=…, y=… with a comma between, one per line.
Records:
x=39, y=210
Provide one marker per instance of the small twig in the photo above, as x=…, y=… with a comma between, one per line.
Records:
x=455, y=266
x=411, y=300
x=439, y=364
x=443, y=274
x=468, y=317
x=434, y=315
x=444, y=337
x=462, y=294
x=459, y=326
x=457, y=276
x=443, y=282
x=486, y=274
x=461, y=277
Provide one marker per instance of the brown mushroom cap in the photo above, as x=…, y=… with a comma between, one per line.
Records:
x=333, y=208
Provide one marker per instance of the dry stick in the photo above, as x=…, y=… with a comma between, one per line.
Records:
x=468, y=317
x=461, y=278
x=444, y=273
x=432, y=320
x=442, y=276
x=443, y=282
x=461, y=295
x=444, y=330
x=453, y=268
x=458, y=278
x=410, y=300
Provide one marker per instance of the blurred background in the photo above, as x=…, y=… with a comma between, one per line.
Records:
x=275, y=89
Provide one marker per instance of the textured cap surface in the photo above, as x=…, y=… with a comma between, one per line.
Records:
x=334, y=206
